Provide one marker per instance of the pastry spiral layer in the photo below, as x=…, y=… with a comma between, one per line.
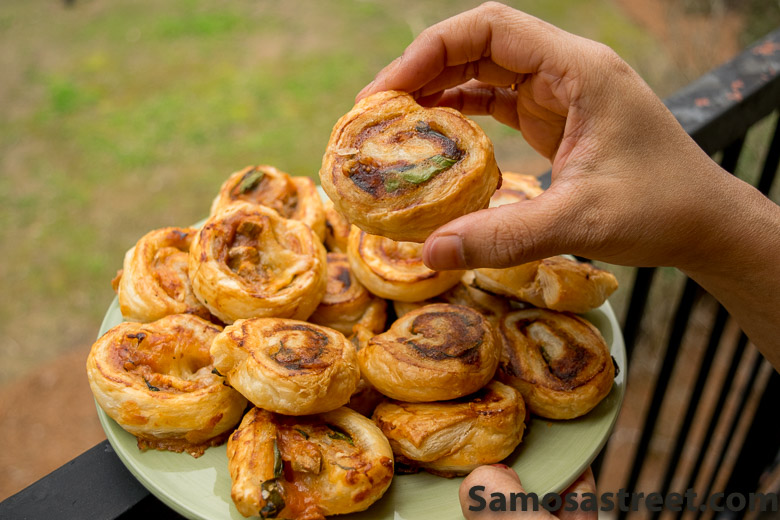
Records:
x=515, y=187
x=287, y=366
x=463, y=293
x=292, y=197
x=154, y=282
x=346, y=302
x=156, y=381
x=555, y=283
x=559, y=362
x=307, y=467
x=437, y=352
x=452, y=438
x=395, y=270
x=336, y=229
x=399, y=170
x=247, y=262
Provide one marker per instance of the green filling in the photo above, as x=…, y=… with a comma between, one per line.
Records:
x=278, y=464
x=150, y=386
x=341, y=437
x=250, y=180
x=418, y=173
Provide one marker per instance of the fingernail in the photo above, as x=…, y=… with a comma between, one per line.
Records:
x=445, y=252
x=502, y=466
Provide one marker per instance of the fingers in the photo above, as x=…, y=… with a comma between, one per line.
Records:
x=505, y=236
x=479, y=491
x=478, y=98
x=511, y=39
x=584, y=484
x=485, y=69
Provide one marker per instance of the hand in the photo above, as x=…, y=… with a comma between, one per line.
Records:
x=629, y=186
x=502, y=479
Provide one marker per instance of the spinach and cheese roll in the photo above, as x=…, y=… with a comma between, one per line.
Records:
x=154, y=282
x=559, y=362
x=556, y=283
x=451, y=438
x=434, y=353
x=157, y=381
x=307, y=467
x=287, y=366
x=247, y=262
x=395, y=270
x=347, y=302
x=292, y=197
x=488, y=304
x=515, y=187
x=336, y=229
x=399, y=170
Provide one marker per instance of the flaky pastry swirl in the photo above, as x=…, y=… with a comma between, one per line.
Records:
x=452, y=438
x=346, y=302
x=287, y=366
x=247, y=261
x=307, y=467
x=515, y=187
x=154, y=282
x=336, y=229
x=556, y=283
x=488, y=304
x=437, y=352
x=395, y=270
x=399, y=170
x=559, y=362
x=292, y=197
x=156, y=381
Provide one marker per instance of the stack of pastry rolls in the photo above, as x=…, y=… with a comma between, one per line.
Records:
x=322, y=349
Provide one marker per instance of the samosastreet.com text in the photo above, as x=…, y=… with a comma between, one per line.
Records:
x=622, y=501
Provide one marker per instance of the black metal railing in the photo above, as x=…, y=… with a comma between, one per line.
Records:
x=718, y=111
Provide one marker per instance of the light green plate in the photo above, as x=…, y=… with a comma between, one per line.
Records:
x=551, y=456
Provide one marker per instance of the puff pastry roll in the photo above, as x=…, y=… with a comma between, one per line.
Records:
x=336, y=229
x=515, y=187
x=292, y=197
x=452, y=438
x=399, y=170
x=395, y=270
x=307, y=467
x=346, y=302
x=156, y=381
x=434, y=353
x=287, y=366
x=365, y=398
x=247, y=262
x=559, y=362
x=154, y=282
x=555, y=283
x=463, y=293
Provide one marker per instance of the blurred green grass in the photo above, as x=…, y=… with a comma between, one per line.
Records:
x=120, y=117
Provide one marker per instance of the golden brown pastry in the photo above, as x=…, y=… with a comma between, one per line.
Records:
x=292, y=197
x=154, y=281
x=559, y=362
x=247, y=261
x=156, y=381
x=346, y=302
x=307, y=467
x=515, y=187
x=395, y=270
x=336, y=229
x=399, y=170
x=365, y=398
x=434, y=353
x=463, y=293
x=555, y=283
x=452, y=438
x=287, y=366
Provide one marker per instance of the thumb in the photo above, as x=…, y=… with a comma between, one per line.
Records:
x=504, y=236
